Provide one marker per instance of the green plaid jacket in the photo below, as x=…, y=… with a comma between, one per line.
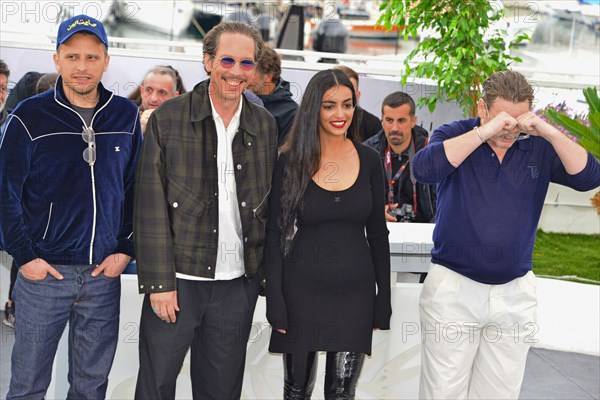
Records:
x=176, y=206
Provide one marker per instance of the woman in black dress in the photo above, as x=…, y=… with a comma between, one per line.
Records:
x=328, y=259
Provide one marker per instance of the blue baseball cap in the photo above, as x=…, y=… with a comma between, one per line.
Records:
x=80, y=23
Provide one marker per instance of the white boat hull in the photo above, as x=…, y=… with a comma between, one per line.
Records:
x=169, y=17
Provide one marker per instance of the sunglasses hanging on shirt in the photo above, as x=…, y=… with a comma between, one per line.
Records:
x=89, y=154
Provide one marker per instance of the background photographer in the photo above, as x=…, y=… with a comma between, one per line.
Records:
x=397, y=143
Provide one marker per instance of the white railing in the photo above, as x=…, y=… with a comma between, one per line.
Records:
x=558, y=75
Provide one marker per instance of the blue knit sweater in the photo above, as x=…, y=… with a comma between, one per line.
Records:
x=488, y=212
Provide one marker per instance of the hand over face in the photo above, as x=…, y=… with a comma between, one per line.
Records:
x=528, y=123
x=502, y=124
x=532, y=124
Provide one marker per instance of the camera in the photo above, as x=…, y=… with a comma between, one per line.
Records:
x=403, y=213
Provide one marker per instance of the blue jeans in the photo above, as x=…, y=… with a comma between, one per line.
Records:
x=90, y=306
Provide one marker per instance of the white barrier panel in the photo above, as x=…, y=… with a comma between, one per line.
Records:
x=568, y=316
x=410, y=246
x=568, y=320
x=391, y=372
x=569, y=211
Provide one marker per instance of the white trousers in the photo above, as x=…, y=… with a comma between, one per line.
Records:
x=475, y=336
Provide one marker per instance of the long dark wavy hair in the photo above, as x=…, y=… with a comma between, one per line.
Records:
x=303, y=149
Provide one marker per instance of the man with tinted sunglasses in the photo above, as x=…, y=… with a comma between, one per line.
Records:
x=67, y=163
x=201, y=201
x=478, y=304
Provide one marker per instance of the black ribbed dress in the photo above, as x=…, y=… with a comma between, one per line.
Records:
x=334, y=286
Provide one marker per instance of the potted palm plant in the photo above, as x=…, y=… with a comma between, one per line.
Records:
x=586, y=134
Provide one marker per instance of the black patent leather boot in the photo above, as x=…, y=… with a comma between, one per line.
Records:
x=300, y=375
x=342, y=371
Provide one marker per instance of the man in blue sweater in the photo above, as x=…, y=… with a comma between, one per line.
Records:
x=478, y=303
x=67, y=163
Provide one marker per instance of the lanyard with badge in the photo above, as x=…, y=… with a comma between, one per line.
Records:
x=393, y=179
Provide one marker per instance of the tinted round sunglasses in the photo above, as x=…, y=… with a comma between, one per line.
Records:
x=229, y=62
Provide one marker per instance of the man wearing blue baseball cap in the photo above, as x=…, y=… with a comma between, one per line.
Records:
x=67, y=163
x=80, y=23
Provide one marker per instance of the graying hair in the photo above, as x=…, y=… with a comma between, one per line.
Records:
x=164, y=70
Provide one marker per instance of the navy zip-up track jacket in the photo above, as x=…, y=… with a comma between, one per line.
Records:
x=53, y=204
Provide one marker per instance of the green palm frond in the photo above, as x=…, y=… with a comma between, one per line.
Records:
x=588, y=136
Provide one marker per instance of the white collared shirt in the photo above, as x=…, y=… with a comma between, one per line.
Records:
x=230, y=251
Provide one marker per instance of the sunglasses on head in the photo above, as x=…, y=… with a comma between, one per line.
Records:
x=229, y=62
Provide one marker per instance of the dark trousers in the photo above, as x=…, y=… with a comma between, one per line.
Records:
x=215, y=318
x=342, y=370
